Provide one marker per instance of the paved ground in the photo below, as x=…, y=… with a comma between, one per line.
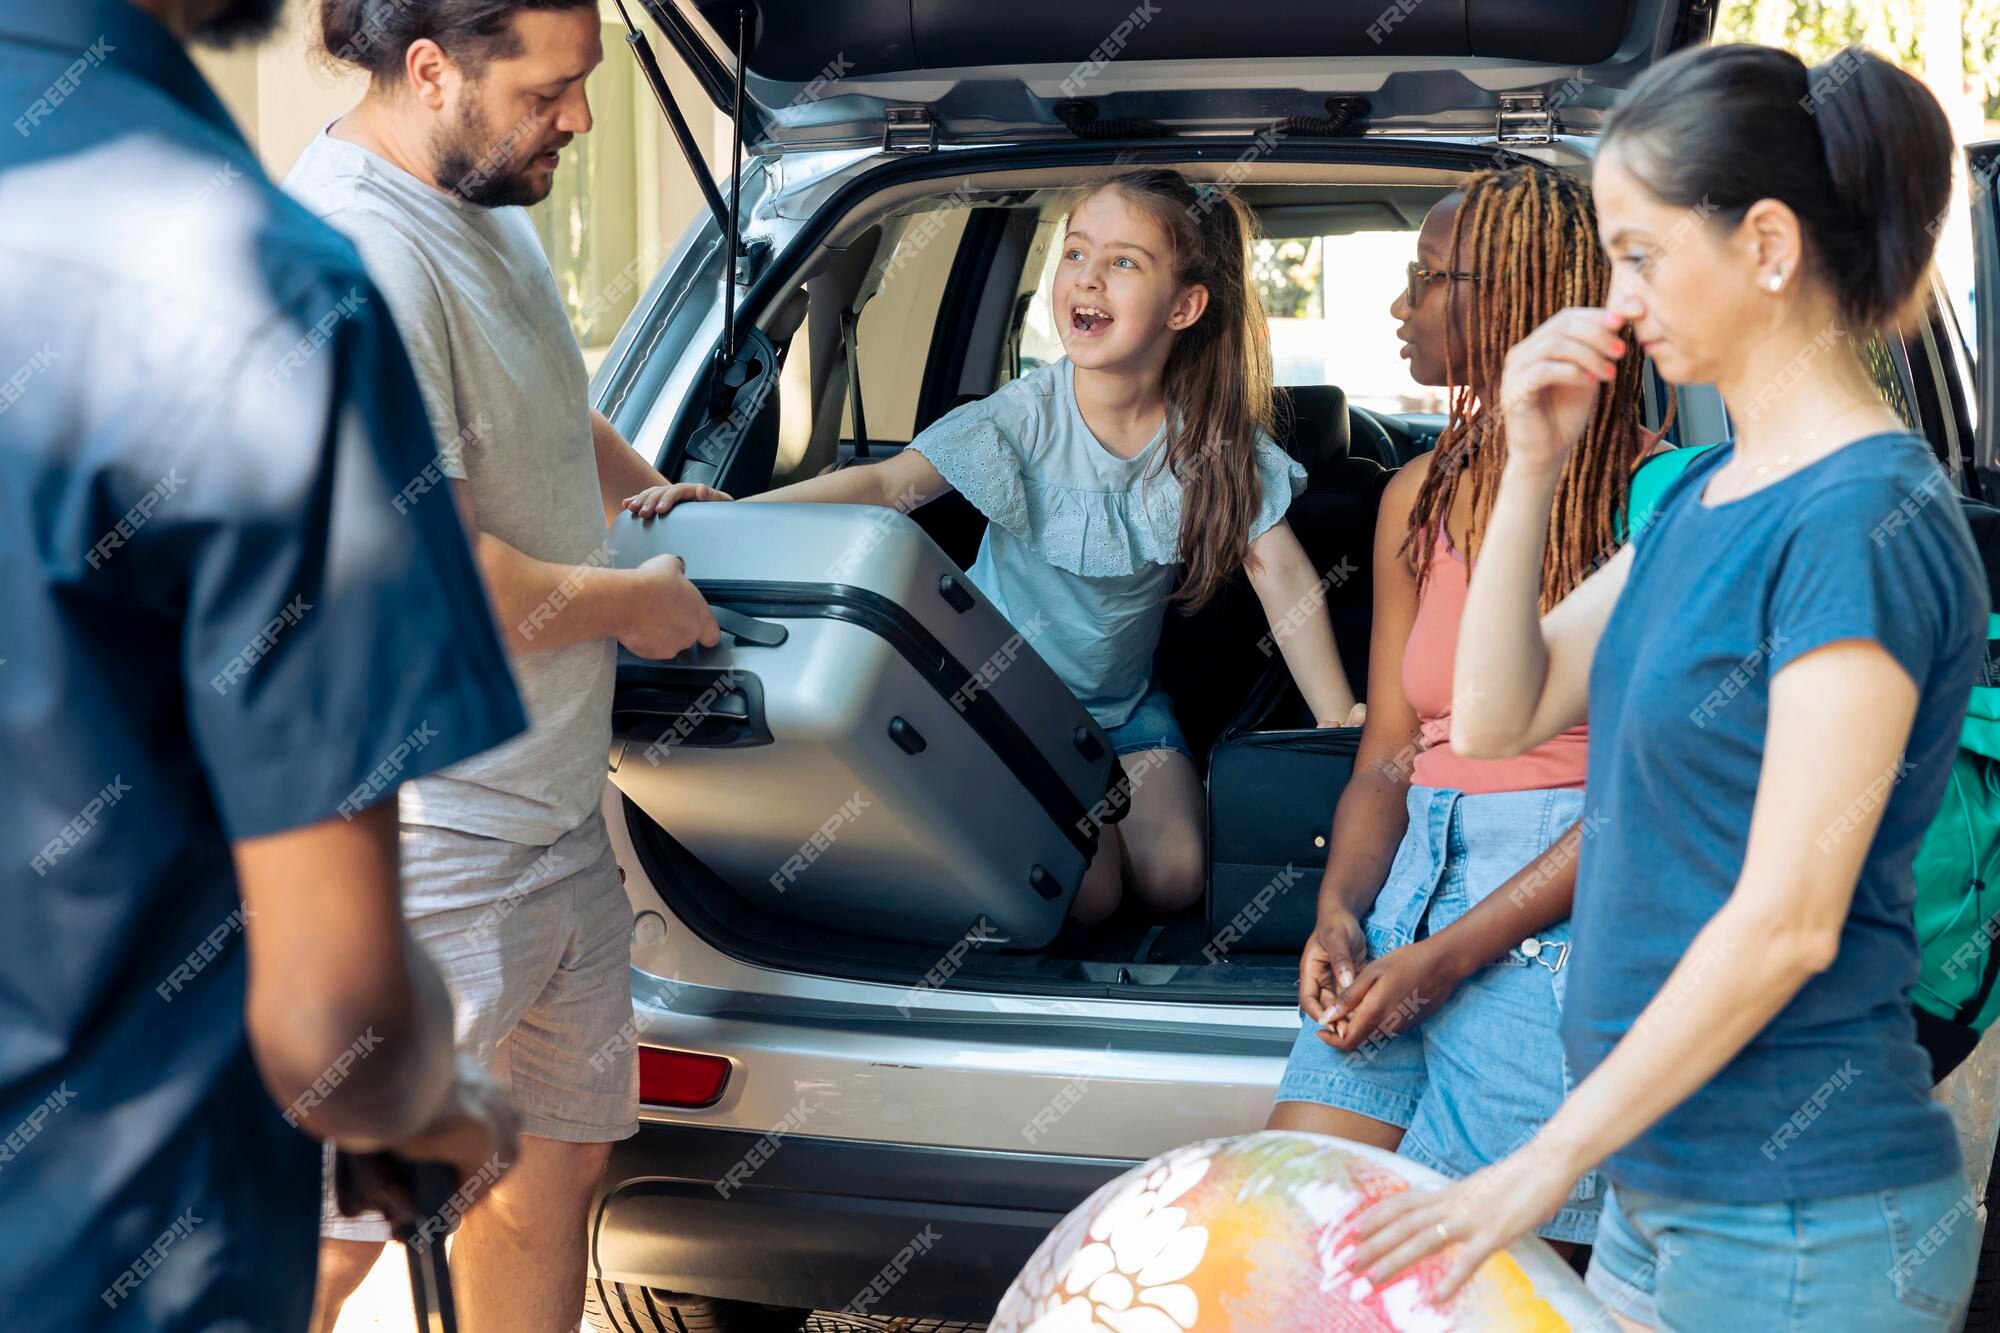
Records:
x=382, y=1303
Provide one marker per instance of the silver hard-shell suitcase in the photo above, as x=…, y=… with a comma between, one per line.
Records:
x=872, y=746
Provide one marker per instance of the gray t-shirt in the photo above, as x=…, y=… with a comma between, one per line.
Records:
x=504, y=384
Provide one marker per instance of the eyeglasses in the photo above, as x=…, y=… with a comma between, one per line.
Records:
x=1418, y=273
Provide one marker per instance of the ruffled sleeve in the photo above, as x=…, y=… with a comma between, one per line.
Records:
x=1283, y=479
x=980, y=449
x=970, y=450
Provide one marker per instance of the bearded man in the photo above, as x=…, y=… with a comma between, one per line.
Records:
x=508, y=873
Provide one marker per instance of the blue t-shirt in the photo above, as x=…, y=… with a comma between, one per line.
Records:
x=218, y=623
x=1867, y=543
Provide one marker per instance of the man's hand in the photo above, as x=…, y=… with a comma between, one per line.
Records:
x=665, y=615
x=478, y=1125
x=655, y=501
x=1333, y=955
x=479, y=1131
x=1392, y=994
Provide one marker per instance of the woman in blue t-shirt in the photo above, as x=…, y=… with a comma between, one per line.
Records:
x=1774, y=672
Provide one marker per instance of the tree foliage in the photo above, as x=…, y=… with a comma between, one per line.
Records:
x=1816, y=30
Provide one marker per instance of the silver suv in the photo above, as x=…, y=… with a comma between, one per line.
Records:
x=836, y=1121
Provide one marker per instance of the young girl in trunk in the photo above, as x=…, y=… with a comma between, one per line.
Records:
x=1146, y=447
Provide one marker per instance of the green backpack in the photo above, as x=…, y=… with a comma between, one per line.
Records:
x=1957, y=923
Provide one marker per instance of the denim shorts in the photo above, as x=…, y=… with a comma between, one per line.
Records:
x=1481, y=1074
x=1152, y=726
x=1888, y=1261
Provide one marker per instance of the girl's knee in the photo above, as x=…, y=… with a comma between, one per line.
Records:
x=1174, y=879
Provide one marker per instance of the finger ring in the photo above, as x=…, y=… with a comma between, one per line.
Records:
x=1443, y=1233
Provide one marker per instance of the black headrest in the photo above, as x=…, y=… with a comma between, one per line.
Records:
x=1312, y=423
x=1984, y=520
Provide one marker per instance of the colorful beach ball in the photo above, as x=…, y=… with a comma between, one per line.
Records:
x=1241, y=1234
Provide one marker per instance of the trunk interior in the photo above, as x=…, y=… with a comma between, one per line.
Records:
x=931, y=293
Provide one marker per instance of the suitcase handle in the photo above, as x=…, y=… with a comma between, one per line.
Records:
x=690, y=712
x=429, y=1189
x=748, y=630
x=433, y=1187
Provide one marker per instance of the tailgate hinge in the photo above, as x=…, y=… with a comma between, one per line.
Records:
x=750, y=257
x=909, y=129
x=1524, y=118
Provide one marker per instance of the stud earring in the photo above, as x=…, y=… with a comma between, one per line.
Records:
x=1774, y=282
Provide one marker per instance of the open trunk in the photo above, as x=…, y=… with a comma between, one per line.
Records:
x=904, y=296
x=876, y=297
x=915, y=73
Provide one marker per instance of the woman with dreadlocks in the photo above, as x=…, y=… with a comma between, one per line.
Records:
x=1749, y=1083
x=1424, y=839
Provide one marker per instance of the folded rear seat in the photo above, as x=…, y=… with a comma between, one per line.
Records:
x=1211, y=662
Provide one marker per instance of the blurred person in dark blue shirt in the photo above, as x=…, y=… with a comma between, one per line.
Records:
x=222, y=647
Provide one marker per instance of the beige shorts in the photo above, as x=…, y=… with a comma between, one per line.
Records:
x=536, y=951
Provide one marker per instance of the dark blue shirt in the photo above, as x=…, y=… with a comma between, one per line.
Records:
x=214, y=625
x=1833, y=1096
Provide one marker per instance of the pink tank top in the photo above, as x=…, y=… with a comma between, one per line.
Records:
x=1427, y=668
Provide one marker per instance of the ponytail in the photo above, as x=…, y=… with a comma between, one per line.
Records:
x=1888, y=150
x=1858, y=150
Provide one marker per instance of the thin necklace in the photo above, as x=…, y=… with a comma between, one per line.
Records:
x=1767, y=468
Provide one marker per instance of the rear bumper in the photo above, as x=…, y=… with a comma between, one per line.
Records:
x=819, y=1223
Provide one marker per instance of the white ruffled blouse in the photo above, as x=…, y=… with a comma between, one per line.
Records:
x=1081, y=545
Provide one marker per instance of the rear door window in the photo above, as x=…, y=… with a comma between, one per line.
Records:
x=1327, y=299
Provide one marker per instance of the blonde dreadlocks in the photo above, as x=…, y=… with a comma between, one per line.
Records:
x=1530, y=232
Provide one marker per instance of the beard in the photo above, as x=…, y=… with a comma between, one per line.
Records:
x=490, y=170
x=239, y=21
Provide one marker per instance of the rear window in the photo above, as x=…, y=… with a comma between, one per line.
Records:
x=1328, y=301
x=1327, y=298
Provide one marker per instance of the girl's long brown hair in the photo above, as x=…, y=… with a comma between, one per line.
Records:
x=1217, y=381
x=1530, y=233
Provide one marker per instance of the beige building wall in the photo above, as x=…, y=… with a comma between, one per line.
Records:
x=280, y=94
x=284, y=92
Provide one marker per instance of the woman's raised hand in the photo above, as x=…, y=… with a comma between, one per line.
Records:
x=1549, y=386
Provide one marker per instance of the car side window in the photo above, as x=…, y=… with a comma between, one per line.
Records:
x=896, y=326
x=1889, y=375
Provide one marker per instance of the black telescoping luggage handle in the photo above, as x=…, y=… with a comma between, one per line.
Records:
x=430, y=1275
x=431, y=1187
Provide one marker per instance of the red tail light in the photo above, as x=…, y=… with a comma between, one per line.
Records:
x=681, y=1078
